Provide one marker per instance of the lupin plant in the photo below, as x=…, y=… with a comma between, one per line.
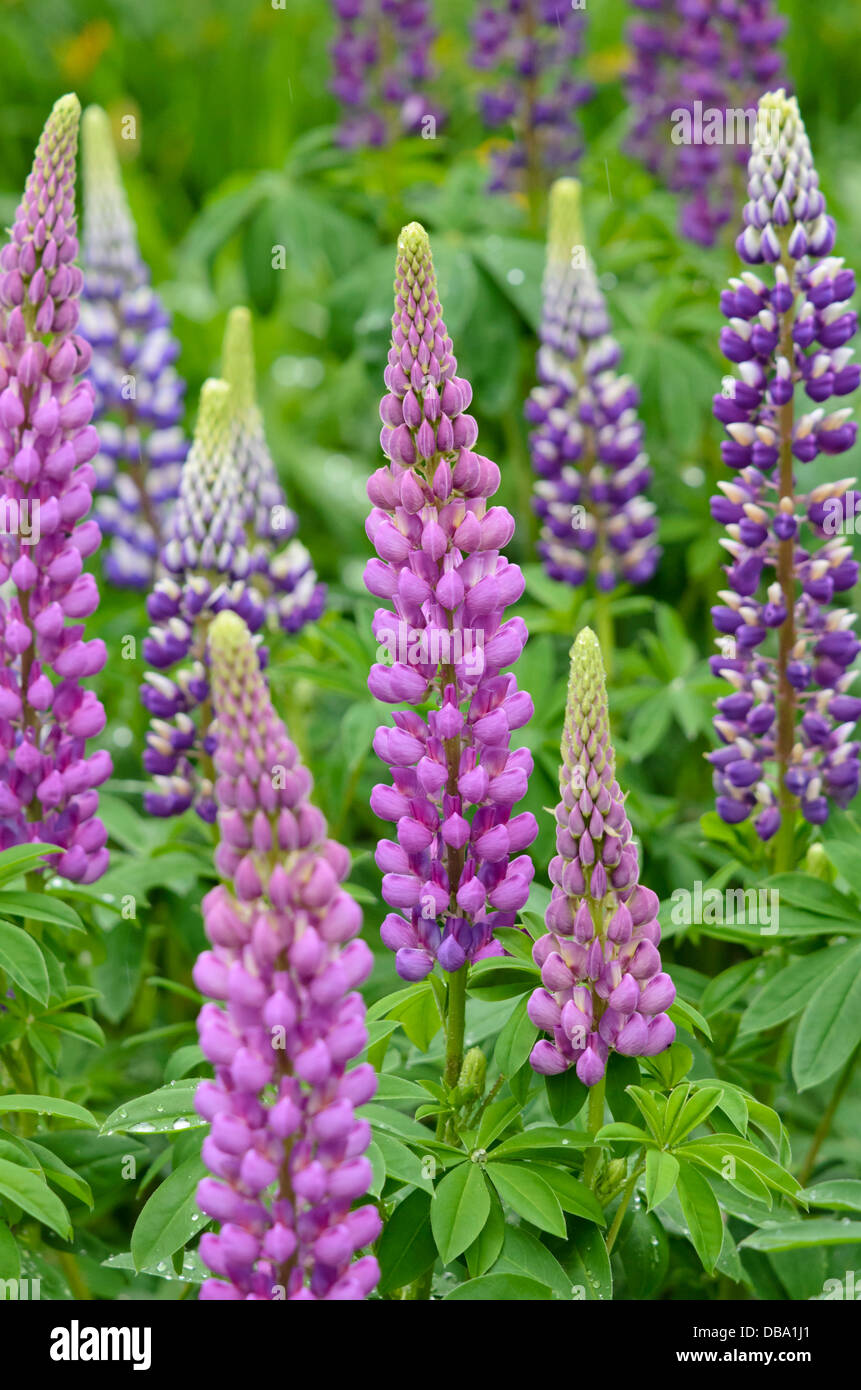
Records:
x=531, y=47
x=139, y=396
x=47, y=444
x=226, y=550
x=587, y=439
x=382, y=68
x=457, y=869
x=698, y=66
x=786, y=728
x=286, y=1151
x=604, y=989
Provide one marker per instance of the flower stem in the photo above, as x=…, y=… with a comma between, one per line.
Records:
x=825, y=1123
x=785, y=838
x=604, y=628
x=623, y=1206
x=594, y=1121
x=455, y=1025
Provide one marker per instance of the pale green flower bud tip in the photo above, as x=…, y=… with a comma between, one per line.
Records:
x=237, y=357
x=214, y=413
x=414, y=242
x=100, y=160
x=565, y=220
x=586, y=654
x=228, y=636
x=61, y=127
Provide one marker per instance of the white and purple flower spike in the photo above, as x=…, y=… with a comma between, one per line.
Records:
x=285, y=1150
x=457, y=868
x=604, y=989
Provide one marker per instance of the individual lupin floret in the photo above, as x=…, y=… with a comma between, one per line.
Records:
x=286, y=1150
x=587, y=440
x=604, y=989
x=47, y=781
x=531, y=47
x=139, y=395
x=457, y=869
x=786, y=729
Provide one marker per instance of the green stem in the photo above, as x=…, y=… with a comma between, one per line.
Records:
x=594, y=1122
x=623, y=1206
x=604, y=628
x=825, y=1123
x=455, y=1025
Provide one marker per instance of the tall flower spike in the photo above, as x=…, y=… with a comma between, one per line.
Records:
x=531, y=46
x=382, y=69
x=587, y=441
x=604, y=989
x=286, y=1149
x=786, y=728
x=699, y=68
x=139, y=396
x=47, y=781
x=281, y=563
x=457, y=869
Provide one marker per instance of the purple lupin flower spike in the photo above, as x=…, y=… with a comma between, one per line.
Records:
x=786, y=729
x=47, y=781
x=382, y=68
x=286, y=1148
x=697, y=61
x=457, y=869
x=587, y=442
x=139, y=396
x=604, y=989
x=231, y=546
x=531, y=46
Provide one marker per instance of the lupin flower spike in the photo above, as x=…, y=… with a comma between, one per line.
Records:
x=457, y=869
x=139, y=396
x=280, y=562
x=382, y=68
x=587, y=439
x=699, y=67
x=532, y=46
x=47, y=781
x=604, y=989
x=286, y=1150
x=786, y=728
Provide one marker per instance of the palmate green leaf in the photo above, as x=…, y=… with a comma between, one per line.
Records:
x=79, y=1026
x=40, y=907
x=418, y=1013
x=725, y=988
x=628, y=1134
x=830, y=1027
x=388, y=1121
x=23, y=962
x=672, y=1066
x=702, y=1214
x=525, y=1255
x=840, y=1194
x=170, y=1217
x=30, y=1192
x=681, y=1012
x=515, y=1041
x=744, y=1177
x=407, y=1248
x=60, y=1174
x=788, y=992
x=662, y=1170
x=158, y=1111
x=846, y=859
x=527, y=1193
x=401, y=1162
x=495, y=1120
x=48, y=1105
x=770, y=1172
x=574, y=1196
x=543, y=1140
x=499, y=977
x=484, y=1251
x=586, y=1262
x=566, y=1095
x=802, y=1235
x=20, y=859
x=697, y=1107
x=460, y=1207
x=10, y=1263
x=512, y=1288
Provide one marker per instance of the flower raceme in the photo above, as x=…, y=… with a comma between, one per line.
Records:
x=786, y=727
x=382, y=66
x=139, y=395
x=587, y=439
x=230, y=547
x=47, y=781
x=531, y=46
x=692, y=58
x=286, y=1149
x=604, y=989
x=457, y=869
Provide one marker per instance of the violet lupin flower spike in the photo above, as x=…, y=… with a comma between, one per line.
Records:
x=281, y=564
x=786, y=728
x=697, y=64
x=286, y=1150
x=382, y=69
x=139, y=396
x=457, y=868
x=587, y=440
x=604, y=989
x=47, y=781
x=532, y=47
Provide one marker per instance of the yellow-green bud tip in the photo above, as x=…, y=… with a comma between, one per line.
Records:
x=414, y=240
x=100, y=152
x=237, y=357
x=228, y=634
x=565, y=219
x=214, y=411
